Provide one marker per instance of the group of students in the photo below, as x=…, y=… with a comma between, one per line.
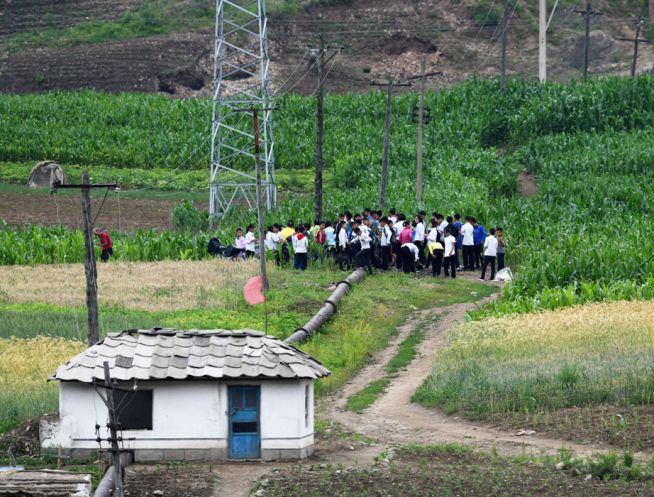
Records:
x=373, y=239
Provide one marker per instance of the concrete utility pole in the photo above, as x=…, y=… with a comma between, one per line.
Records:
x=318, y=189
x=587, y=14
x=113, y=425
x=89, y=262
x=387, y=136
x=421, y=109
x=637, y=40
x=542, y=40
x=505, y=34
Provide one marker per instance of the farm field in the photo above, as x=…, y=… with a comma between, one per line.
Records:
x=581, y=373
x=421, y=471
x=566, y=350
x=589, y=148
x=41, y=308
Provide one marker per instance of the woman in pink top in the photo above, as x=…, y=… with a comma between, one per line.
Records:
x=406, y=235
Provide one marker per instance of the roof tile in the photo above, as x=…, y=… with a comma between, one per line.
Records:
x=166, y=353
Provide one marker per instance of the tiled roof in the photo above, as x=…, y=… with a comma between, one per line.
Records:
x=160, y=354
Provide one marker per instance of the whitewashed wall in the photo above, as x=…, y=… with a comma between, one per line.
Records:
x=187, y=415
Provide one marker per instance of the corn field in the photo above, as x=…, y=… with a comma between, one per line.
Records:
x=586, y=235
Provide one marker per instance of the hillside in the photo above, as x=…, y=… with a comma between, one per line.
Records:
x=160, y=45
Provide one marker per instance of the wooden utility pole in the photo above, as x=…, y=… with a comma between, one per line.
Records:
x=423, y=70
x=321, y=61
x=505, y=34
x=89, y=262
x=387, y=137
x=317, y=211
x=113, y=432
x=587, y=14
x=262, y=231
x=637, y=40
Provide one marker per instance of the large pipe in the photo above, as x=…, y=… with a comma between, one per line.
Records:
x=106, y=486
x=327, y=310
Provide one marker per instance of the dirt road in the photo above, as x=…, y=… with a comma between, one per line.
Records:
x=393, y=418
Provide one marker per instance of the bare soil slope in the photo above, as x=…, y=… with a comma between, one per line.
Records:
x=379, y=39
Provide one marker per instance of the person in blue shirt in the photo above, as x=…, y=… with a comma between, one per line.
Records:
x=479, y=236
x=459, y=238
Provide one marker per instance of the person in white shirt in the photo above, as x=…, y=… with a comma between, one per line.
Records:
x=490, y=254
x=468, y=244
x=419, y=237
x=409, y=256
x=273, y=237
x=250, y=241
x=300, y=248
x=385, y=237
x=272, y=241
x=362, y=259
x=449, y=260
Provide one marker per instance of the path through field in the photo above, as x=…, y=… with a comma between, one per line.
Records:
x=393, y=418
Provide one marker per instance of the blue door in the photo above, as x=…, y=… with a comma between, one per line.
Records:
x=244, y=433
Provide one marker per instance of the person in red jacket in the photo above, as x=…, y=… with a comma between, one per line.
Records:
x=105, y=243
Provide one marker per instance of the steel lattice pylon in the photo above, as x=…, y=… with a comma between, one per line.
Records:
x=240, y=82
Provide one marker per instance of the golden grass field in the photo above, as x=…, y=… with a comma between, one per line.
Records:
x=148, y=286
x=588, y=355
x=24, y=368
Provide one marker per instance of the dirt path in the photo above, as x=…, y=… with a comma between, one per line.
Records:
x=393, y=418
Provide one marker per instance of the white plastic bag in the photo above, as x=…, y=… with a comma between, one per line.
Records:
x=504, y=275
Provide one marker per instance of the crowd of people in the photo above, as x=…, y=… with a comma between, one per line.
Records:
x=374, y=240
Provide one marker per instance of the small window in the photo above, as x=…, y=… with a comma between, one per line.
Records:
x=307, y=403
x=134, y=409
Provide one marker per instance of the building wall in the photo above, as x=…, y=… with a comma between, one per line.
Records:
x=189, y=420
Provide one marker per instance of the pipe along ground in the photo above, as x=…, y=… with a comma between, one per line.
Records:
x=327, y=310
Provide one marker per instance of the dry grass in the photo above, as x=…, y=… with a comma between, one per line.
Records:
x=24, y=368
x=152, y=286
x=586, y=355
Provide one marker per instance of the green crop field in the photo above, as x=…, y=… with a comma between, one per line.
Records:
x=586, y=235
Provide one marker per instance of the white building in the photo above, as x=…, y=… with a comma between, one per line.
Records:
x=189, y=395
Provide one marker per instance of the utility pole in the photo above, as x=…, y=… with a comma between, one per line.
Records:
x=320, y=63
x=542, y=41
x=587, y=14
x=89, y=262
x=637, y=40
x=257, y=160
x=505, y=34
x=423, y=70
x=387, y=136
x=262, y=231
x=113, y=425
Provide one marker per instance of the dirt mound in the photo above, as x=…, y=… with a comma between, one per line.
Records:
x=22, y=441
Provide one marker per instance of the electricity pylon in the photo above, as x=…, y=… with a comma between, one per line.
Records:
x=240, y=81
